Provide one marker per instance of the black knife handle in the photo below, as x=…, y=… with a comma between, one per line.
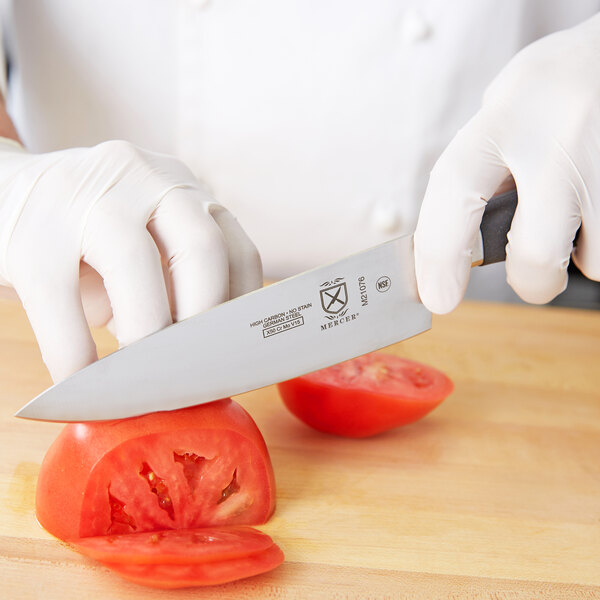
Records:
x=495, y=224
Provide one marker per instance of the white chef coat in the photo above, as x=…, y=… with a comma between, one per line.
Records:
x=316, y=122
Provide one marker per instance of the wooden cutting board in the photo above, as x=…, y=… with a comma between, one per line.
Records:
x=496, y=494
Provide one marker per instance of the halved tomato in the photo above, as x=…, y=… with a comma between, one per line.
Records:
x=154, y=497
x=202, y=466
x=366, y=395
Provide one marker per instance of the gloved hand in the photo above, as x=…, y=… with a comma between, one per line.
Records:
x=540, y=121
x=126, y=213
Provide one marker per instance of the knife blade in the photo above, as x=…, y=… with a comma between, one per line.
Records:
x=324, y=316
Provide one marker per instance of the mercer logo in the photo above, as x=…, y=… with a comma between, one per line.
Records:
x=334, y=296
x=334, y=301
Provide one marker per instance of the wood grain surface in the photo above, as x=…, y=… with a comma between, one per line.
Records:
x=496, y=494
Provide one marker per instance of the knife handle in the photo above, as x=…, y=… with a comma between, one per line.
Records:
x=495, y=224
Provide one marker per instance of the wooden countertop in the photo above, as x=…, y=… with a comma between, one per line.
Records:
x=496, y=494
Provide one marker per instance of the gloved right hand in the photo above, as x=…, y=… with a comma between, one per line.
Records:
x=164, y=249
x=540, y=122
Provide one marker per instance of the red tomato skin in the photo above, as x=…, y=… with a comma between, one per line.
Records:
x=364, y=410
x=66, y=468
x=174, y=576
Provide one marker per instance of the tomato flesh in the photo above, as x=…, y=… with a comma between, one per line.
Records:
x=366, y=395
x=143, y=474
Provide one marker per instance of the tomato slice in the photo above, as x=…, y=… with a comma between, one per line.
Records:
x=366, y=395
x=175, y=546
x=169, y=576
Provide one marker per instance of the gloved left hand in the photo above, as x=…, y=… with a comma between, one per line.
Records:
x=163, y=247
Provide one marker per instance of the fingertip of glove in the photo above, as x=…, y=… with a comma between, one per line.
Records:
x=536, y=284
x=441, y=282
x=587, y=259
x=438, y=298
x=439, y=306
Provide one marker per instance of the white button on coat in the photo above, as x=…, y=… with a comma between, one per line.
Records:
x=386, y=217
x=414, y=26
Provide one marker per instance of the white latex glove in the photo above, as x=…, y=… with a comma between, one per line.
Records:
x=126, y=213
x=540, y=121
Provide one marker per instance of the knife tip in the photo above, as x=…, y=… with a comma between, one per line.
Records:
x=24, y=413
x=31, y=412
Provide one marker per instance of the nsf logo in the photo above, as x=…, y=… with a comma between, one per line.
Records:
x=383, y=284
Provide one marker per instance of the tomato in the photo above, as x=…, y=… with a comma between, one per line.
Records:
x=173, y=546
x=160, y=499
x=202, y=466
x=212, y=573
x=366, y=395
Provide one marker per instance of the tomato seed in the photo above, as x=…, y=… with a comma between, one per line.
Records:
x=159, y=489
x=118, y=517
x=231, y=489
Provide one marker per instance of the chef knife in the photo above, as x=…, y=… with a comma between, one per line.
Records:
x=308, y=322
